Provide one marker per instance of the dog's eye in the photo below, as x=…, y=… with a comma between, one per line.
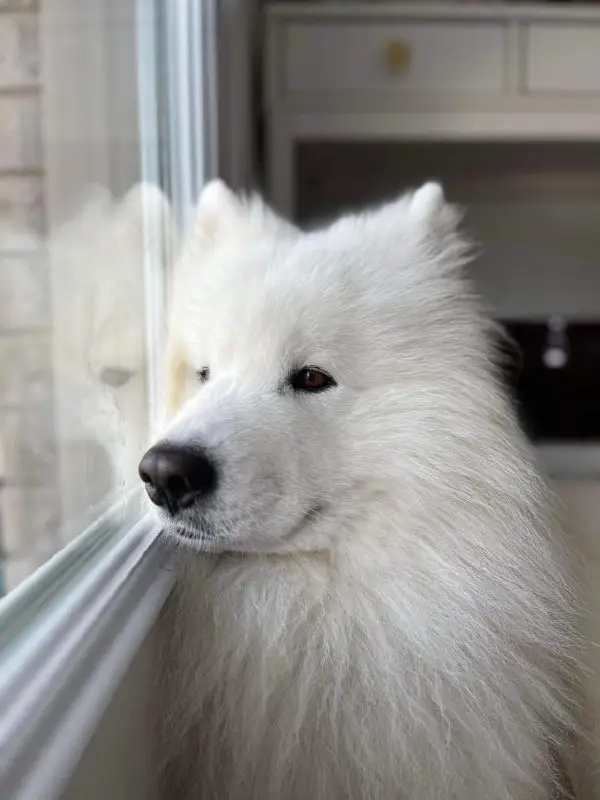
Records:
x=203, y=374
x=311, y=379
x=116, y=376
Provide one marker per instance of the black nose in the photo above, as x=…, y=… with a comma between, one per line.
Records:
x=175, y=476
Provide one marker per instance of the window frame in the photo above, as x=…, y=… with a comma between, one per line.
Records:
x=81, y=619
x=71, y=630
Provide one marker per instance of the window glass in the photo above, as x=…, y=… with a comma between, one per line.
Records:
x=87, y=239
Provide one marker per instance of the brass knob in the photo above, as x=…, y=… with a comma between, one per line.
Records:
x=397, y=55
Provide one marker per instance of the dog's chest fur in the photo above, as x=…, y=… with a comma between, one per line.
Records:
x=285, y=688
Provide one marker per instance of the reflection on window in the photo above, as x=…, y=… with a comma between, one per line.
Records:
x=73, y=308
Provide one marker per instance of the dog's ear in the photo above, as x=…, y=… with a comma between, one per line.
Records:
x=427, y=202
x=218, y=208
x=431, y=213
x=144, y=213
x=221, y=212
x=140, y=224
x=436, y=225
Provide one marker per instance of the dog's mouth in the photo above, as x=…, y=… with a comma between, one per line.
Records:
x=204, y=535
x=197, y=537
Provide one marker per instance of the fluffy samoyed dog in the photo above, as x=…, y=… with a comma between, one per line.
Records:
x=374, y=600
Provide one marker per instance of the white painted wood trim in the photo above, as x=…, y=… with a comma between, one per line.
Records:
x=190, y=91
x=400, y=126
x=238, y=22
x=432, y=10
x=61, y=672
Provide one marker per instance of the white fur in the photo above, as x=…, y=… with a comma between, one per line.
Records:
x=376, y=603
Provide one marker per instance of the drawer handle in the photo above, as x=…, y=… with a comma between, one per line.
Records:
x=397, y=55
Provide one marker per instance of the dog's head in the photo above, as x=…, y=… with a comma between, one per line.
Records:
x=313, y=371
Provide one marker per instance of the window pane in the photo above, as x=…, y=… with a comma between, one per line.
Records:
x=85, y=249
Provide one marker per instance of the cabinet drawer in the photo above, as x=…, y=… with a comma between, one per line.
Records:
x=562, y=57
x=414, y=57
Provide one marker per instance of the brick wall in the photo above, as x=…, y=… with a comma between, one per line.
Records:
x=28, y=511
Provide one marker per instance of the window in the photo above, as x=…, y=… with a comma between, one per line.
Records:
x=104, y=145
x=108, y=122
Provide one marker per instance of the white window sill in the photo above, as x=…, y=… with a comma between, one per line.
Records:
x=67, y=637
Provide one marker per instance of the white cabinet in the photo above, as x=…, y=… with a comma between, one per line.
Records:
x=395, y=56
x=562, y=58
x=396, y=71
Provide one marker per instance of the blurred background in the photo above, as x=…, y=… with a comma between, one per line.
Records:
x=114, y=112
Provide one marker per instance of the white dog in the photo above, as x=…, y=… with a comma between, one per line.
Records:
x=376, y=603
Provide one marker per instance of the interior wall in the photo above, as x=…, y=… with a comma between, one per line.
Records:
x=581, y=501
x=531, y=208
